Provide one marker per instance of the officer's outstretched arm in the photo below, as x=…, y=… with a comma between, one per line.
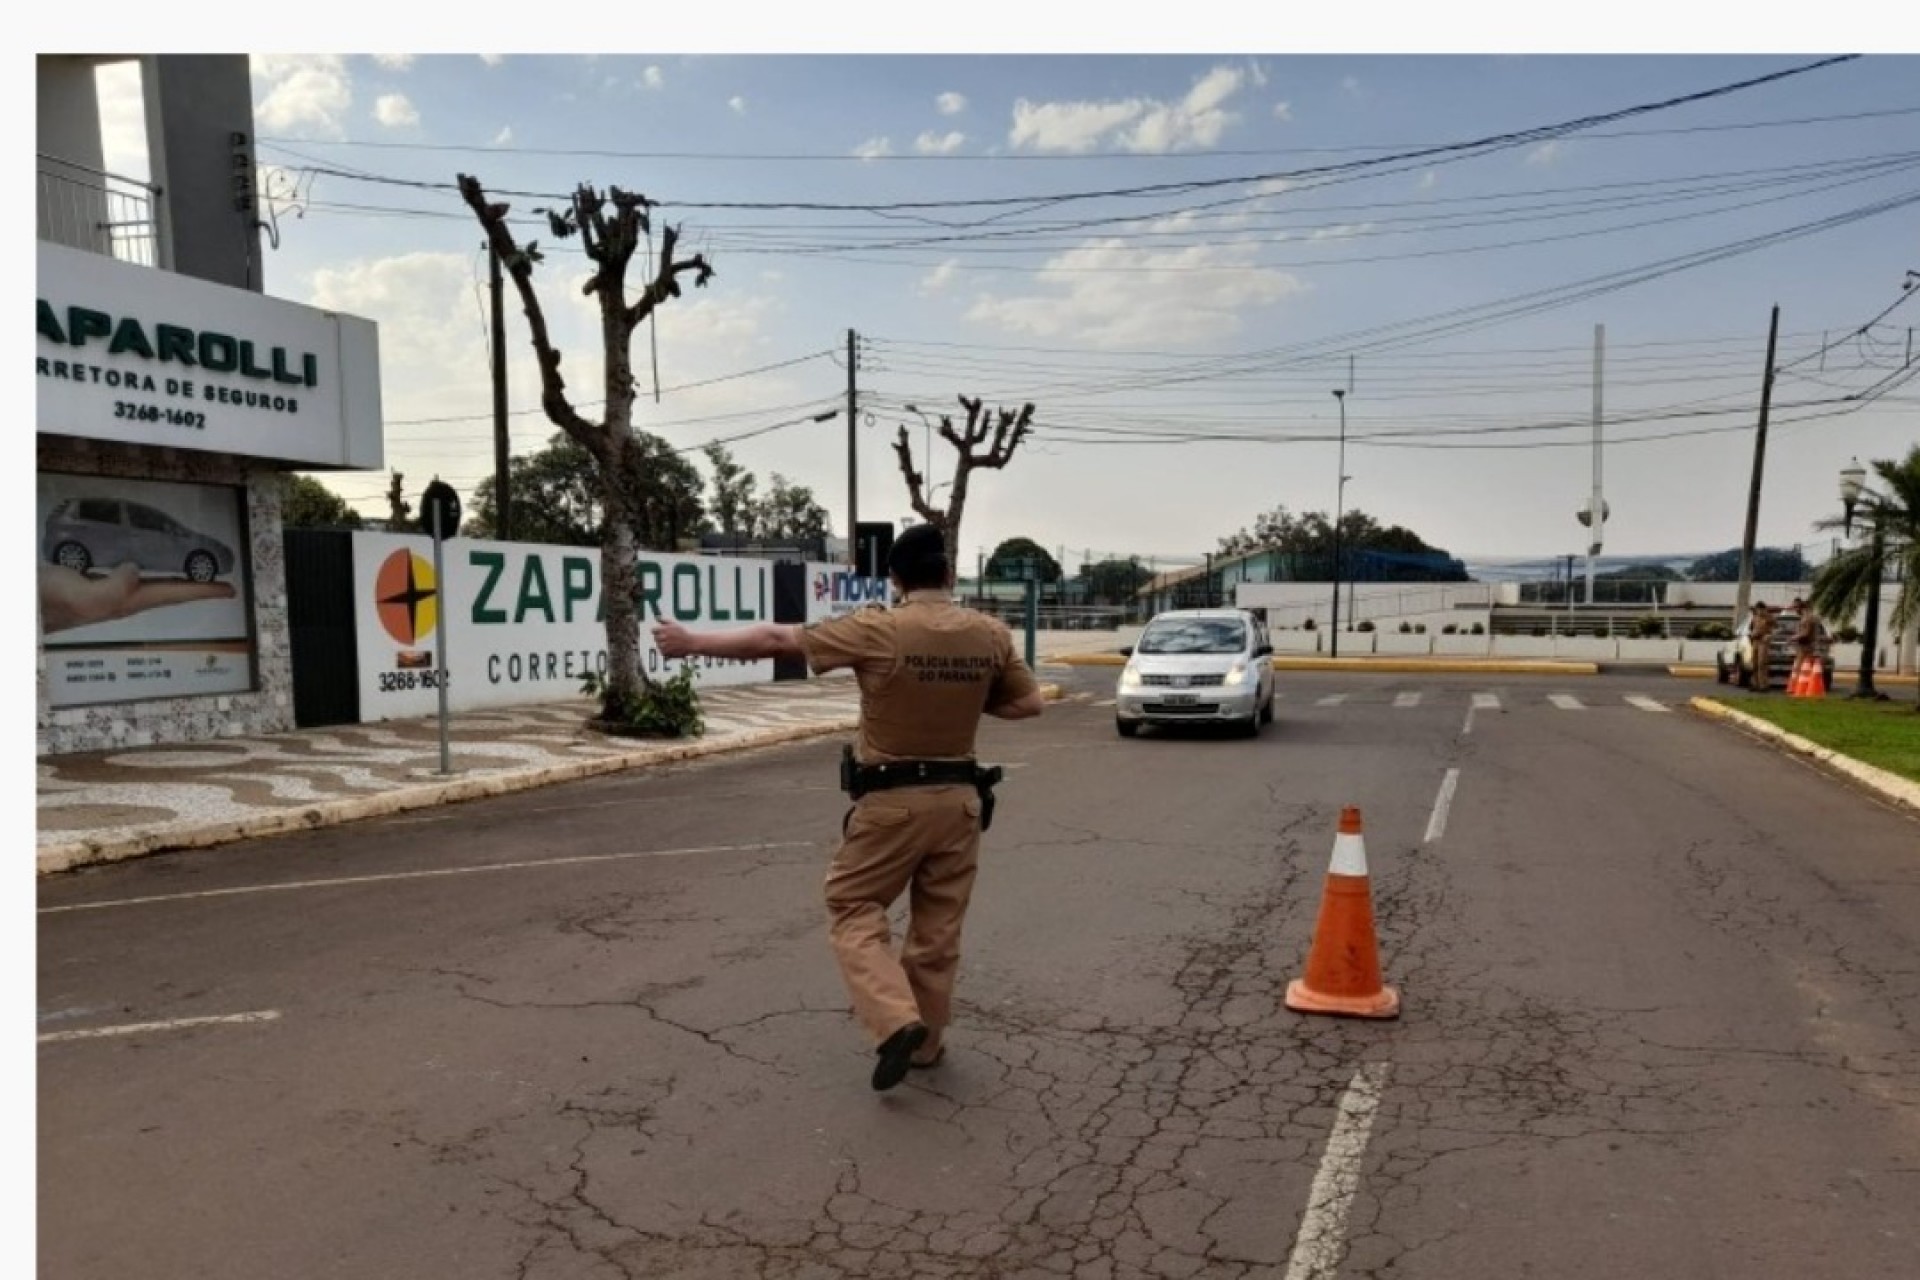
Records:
x=749, y=644
x=1021, y=708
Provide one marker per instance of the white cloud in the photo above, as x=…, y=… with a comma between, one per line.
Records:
x=931, y=143
x=940, y=277
x=1132, y=124
x=1092, y=294
x=1259, y=74
x=123, y=118
x=1544, y=154
x=493, y=59
x=1429, y=179
x=432, y=339
x=1283, y=111
x=302, y=92
x=504, y=137
x=951, y=104
x=394, y=61
x=738, y=103
x=653, y=78
x=1351, y=84
x=394, y=111
x=874, y=148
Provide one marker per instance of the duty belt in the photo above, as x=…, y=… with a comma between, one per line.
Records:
x=858, y=779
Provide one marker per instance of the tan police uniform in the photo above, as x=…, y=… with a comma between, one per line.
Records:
x=1760, y=632
x=928, y=669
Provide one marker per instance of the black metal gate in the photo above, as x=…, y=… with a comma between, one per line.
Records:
x=320, y=618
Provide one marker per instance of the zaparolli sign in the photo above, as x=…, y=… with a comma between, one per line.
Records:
x=526, y=621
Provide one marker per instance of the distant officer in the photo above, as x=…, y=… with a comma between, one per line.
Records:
x=927, y=669
x=1809, y=637
x=1760, y=633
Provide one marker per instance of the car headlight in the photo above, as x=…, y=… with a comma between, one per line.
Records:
x=1238, y=675
x=1129, y=678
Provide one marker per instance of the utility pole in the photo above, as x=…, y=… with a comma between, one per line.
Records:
x=1339, y=504
x=1759, y=464
x=503, y=520
x=853, y=458
x=1597, y=504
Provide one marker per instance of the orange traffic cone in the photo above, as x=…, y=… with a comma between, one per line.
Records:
x=1806, y=681
x=1343, y=969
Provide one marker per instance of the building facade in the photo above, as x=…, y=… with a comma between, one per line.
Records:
x=172, y=395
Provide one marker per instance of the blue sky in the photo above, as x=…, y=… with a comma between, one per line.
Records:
x=1180, y=345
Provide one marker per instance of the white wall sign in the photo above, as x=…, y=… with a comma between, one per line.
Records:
x=526, y=621
x=142, y=589
x=125, y=352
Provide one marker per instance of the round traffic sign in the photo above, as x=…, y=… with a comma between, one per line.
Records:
x=441, y=499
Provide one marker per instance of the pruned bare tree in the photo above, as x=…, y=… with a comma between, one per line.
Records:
x=612, y=226
x=985, y=440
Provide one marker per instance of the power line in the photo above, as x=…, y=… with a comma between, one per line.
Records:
x=1441, y=152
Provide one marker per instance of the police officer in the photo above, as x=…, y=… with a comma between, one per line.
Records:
x=1760, y=634
x=927, y=669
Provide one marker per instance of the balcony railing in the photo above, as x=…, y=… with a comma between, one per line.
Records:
x=100, y=212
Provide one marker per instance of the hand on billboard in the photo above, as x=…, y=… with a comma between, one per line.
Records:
x=674, y=640
x=72, y=599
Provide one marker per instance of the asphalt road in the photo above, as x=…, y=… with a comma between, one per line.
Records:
x=1661, y=1019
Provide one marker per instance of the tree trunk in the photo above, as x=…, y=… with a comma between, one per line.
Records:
x=620, y=594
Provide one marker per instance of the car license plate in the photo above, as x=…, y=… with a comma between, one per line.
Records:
x=1180, y=699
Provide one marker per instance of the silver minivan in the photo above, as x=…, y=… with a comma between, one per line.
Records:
x=1198, y=666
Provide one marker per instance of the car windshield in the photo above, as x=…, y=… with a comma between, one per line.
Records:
x=1194, y=635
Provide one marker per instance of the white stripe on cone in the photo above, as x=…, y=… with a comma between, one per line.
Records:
x=1349, y=855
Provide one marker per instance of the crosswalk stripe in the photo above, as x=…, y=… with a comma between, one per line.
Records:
x=1486, y=702
x=1406, y=699
x=1331, y=700
x=1645, y=703
x=1566, y=702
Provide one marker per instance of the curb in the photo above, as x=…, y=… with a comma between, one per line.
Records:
x=1891, y=785
x=1444, y=666
x=75, y=854
x=82, y=853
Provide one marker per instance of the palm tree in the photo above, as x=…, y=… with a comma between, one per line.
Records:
x=1844, y=583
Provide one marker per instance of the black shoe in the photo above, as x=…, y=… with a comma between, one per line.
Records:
x=896, y=1054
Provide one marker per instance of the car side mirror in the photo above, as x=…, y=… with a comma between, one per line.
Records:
x=1126, y=651
x=1263, y=651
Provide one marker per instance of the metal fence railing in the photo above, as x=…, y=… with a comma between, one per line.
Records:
x=99, y=212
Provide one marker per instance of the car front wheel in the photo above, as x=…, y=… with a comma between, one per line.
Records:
x=1720, y=671
x=71, y=555
x=201, y=566
x=1127, y=728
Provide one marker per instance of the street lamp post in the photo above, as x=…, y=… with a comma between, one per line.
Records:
x=1339, y=504
x=1852, y=489
x=926, y=445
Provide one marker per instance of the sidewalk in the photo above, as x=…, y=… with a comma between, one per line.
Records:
x=103, y=806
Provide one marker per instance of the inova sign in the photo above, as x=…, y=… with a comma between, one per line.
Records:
x=523, y=623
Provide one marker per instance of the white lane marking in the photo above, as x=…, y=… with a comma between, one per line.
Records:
x=1481, y=702
x=171, y=1024
x=1321, y=1242
x=1442, y=804
x=1106, y=702
x=1566, y=702
x=1331, y=700
x=1406, y=699
x=338, y=881
x=1645, y=703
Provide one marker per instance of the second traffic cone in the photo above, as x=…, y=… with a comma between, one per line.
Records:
x=1806, y=681
x=1343, y=968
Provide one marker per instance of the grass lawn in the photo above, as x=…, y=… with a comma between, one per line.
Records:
x=1883, y=734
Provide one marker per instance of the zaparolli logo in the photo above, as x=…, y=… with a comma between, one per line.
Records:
x=407, y=599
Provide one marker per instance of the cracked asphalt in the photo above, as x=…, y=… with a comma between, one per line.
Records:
x=1661, y=1018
